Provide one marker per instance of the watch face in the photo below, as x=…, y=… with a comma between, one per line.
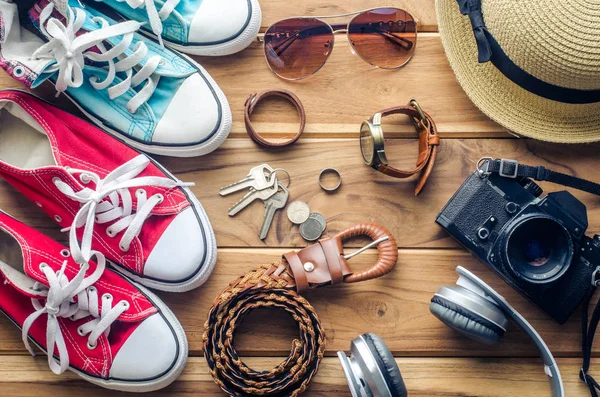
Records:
x=367, y=143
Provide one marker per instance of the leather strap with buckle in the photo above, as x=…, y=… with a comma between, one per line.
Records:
x=429, y=141
x=324, y=263
x=276, y=285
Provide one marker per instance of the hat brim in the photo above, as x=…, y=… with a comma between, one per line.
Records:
x=505, y=102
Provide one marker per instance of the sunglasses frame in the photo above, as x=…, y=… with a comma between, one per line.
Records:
x=261, y=38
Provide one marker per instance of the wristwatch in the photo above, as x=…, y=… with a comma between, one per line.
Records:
x=373, y=149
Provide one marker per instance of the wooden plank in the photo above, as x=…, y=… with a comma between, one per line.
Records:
x=365, y=195
x=349, y=91
x=274, y=10
x=396, y=307
x=424, y=377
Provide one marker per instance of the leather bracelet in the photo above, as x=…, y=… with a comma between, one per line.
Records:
x=278, y=285
x=250, y=105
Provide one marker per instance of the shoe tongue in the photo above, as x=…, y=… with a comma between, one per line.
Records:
x=20, y=281
x=172, y=65
x=34, y=15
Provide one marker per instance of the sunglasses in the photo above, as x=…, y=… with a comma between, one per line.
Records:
x=296, y=48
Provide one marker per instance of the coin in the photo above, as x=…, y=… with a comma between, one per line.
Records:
x=298, y=212
x=311, y=229
x=319, y=218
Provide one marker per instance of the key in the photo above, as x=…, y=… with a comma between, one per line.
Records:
x=252, y=195
x=257, y=178
x=274, y=203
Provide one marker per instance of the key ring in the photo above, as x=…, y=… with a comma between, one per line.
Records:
x=331, y=171
x=284, y=171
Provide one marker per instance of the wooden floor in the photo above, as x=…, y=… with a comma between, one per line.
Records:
x=434, y=360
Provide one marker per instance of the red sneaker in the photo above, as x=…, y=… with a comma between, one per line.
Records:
x=110, y=197
x=108, y=330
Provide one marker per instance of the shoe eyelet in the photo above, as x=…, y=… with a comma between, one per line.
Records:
x=140, y=192
x=80, y=331
x=125, y=304
x=92, y=347
x=162, y=62
x=122, y=248
x=65, y=253
x=56, y=179
x=161, y=198
x=58, y=218
x=18, y=71
x=43, y=265
x=110, y=232
x=84, y=178
x=107, y=296
x=91, y=288
x=38, y=204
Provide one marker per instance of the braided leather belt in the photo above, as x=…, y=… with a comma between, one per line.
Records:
x=278, y=285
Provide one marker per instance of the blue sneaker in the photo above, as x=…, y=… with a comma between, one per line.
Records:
x=151, y=97
x=198, y=27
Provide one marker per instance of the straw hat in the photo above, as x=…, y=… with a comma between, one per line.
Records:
x=550, y=47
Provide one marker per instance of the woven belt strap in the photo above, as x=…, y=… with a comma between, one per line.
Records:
x=276, y=285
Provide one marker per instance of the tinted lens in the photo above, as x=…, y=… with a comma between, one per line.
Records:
x=367, y=146
x=296, y=48
x=384, y=37
x=539, y=250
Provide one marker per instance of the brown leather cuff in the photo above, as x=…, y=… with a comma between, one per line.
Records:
x=250, y=105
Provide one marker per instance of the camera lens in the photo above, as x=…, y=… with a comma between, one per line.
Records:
x=538, y=249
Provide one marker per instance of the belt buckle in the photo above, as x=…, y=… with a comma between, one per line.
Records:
x=386, y=245
x=422, y=121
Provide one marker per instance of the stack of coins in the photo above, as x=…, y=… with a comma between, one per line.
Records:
x=312, y=224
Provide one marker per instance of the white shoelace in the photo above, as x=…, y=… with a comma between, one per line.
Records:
x=155, y=17
x=60, y=302
x=70, y=51
x=110, y=201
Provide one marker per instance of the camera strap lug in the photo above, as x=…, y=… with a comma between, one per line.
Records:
x=484, y=161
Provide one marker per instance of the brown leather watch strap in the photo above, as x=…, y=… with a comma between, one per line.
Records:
x=253, y=101
x=429, y=141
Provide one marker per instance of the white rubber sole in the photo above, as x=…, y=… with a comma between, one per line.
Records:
x=239, y=43
x=200, y=149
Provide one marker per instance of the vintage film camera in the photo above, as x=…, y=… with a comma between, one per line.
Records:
x=536, y=243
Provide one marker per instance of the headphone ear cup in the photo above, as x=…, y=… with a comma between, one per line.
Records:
x=387, y=364
x=466, y=321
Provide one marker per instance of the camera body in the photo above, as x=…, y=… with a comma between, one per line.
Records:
x=536, y=243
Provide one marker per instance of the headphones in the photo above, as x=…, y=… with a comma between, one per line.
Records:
x=371, y=370
x=474, y=309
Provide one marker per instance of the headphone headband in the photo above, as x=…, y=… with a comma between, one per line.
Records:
x=475, y=284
